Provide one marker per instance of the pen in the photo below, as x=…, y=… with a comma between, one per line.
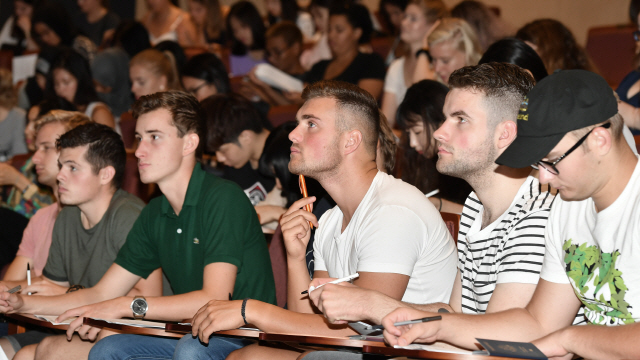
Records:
x=28, y=277
x=303, y=190
x=348, y=278
x=14, y=290
x=416, y=321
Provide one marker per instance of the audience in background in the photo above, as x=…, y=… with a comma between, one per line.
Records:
x=16, y=31
x=110, y=70
x=52, y=26
x=99, y=23
x=12, y=119
x=31, y=92
x=289, y=10
x=246, y=32
x=514, y=51
x=419, y=116
x=208, y=17
x=629, y=89
x=392, y=14
x=132, y=37
x=350, y=26
x=555, y=44
x=205, y=75
x=153, y=71
x=420, y=18
x=70, y=80
x=487, y=25
x=320, y=50
x=453, y=44
x=165, y=21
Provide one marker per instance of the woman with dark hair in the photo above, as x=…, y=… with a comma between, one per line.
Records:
x=99, y=23
x=319, y=10
x=205, y=75
x=419, y=115
x=165, y=21
x=289, y=10
x=392, y=14
x=350, y=26
x=52, y=26
x=16, y=31
x=514, y=51
x=555, y=44
x=208, y=17
x=488, y=26
x=70, y=80
x=246, y=31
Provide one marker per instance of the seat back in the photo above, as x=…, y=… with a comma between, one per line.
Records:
x=279, y=115
x=612, y=49
x=278, y=255
x=128, y=129
x=453, y=223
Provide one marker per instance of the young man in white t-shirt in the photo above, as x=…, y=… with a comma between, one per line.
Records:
x=569, y=127
x=381, y=228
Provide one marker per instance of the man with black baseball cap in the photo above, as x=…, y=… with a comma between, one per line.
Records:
x=569, y=128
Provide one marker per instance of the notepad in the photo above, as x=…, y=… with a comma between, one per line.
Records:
x=277, y=78
x=436, y=347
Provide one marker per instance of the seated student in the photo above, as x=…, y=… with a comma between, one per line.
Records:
x=34, y=248
x=246, y=32
x=284, y=46
x=208, y=18
x=320, y=50
x=289, y=10
x=350, y=26
x=236, y=134
x=165, y=21
x=152, y=71
x=570, y=129
x=501, y=237
x=110, y=70
x=99, y=23
x=205, y=75
x=382, y=228
x=94, y=222
x=202, y=232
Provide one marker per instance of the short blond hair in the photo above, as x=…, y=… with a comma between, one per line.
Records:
x=461, y=35
x=68, y=119
x=8, y=94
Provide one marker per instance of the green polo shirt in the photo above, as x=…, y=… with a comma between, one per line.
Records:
x=216, y=224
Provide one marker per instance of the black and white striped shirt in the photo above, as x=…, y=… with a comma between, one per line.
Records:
x=509, y=250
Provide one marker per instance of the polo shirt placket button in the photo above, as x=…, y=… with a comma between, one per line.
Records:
x=179, y=231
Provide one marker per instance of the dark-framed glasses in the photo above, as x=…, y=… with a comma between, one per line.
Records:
x=551, y=166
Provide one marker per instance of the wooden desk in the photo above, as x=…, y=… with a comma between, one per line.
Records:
x=322, y=341
x=19, y=320
x=422, y=354
x=186, y=329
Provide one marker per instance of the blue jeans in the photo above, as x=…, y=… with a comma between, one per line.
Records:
x=130, y=347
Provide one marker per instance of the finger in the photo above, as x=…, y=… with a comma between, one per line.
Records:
x=93, y=333
x=299, y=204
x=73, y=327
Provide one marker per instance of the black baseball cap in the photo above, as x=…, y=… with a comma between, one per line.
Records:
x=560, y=103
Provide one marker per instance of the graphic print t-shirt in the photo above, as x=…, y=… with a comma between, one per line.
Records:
x=598, y=253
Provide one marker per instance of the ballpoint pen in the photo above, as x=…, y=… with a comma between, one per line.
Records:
x=416, y=321
x=28, y=276
x=337, y=281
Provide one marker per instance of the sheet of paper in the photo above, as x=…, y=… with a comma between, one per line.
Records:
x=52, y=319
x=436, y=347
x=23, y=67
x=136, y=323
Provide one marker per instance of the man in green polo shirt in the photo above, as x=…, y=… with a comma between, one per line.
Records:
x=203, y=232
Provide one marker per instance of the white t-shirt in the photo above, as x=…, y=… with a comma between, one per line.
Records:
x=509, y=250
x=598, y=253
x=394, y=81
x=395, y=229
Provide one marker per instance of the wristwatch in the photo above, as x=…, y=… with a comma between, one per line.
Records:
x=139, y=307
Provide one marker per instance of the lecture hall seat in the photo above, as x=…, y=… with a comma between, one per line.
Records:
x=612, y=50
x=453, y=223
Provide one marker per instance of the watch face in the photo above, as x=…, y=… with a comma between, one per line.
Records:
x=139, y=307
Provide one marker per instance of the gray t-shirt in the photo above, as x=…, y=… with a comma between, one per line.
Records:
x=12, y=134
x=81, y=256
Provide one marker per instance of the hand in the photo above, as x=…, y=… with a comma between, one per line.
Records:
x=341, y=302
x=407, y=334
x=425, y=39
x=295, y=228
x=217, y=315
x=269, y=213
x=254, y=79
x=9, y=303
x=109, y=309
x=24, y=23
x=551, y=346
x=44, y=287
x=9, y=175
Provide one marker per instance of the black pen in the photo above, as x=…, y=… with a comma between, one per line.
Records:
x=401, y=323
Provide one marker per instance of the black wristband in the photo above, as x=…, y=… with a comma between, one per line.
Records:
x=424, y=51
x=244, y=305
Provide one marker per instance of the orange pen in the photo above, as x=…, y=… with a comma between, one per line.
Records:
x=303, y=190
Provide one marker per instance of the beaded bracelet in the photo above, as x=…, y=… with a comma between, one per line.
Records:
x=244, y=305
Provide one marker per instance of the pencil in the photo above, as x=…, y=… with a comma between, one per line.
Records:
x=401, y=323
x=303, y=189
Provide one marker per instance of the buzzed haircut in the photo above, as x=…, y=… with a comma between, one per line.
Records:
x=288, y=31
x=504, y=87
x=356, y=109
x=226, y=117
x=104, y=148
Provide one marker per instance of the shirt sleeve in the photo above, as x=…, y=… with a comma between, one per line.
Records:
x=139, y=253
x=55, y=269
x=393, y=77
x=28, y=244
x=523, y=252
x=553, y=269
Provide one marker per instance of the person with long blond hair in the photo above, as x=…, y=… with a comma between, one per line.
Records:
x=452, y=44
x=153, y=71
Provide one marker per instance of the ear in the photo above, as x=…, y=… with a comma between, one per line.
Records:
x=191, y=141
x=357, y=34
x=246, y=137
x=353, y=141
x=506, y=132
x=601, y=141
x=106, y=175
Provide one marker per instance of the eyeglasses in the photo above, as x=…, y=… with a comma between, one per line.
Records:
x=636, y=35
x=195, y=90
x=551, y=166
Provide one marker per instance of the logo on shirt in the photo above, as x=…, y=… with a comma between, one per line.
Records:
x=598, y=283
x=256, y=193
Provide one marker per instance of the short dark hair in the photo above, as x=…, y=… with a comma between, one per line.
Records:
x=357, y=16
x=208, y=67
x=79, y=68
x=514, y=51
x=186, y=112
x=105, y=148
x=363, y=108
x=247, y=14
x=504, y=86
x=288, y=31
x=228, y=115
